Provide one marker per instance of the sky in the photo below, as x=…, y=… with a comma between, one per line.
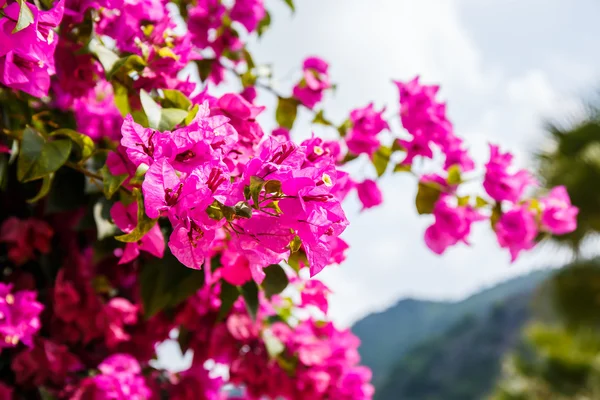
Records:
x=505, y=67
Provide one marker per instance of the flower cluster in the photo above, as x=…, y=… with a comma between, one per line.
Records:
x=282, y=200
x=27, y=45
x=309, y=91
x=19, y=316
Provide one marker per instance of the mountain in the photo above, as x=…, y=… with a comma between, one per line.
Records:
x=388, y=335
x=464, y=362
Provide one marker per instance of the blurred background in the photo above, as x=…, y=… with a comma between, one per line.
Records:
x=523, y=74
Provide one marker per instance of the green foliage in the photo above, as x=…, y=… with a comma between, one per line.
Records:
x=39, y=157
x=25, y=17
x=83, y=142
x=165, y=283
x=276, y=280
x=573, y=160
x=249, y=292
x=381, y=158
x=287, y=109
x=111, y=182
x=427, y=195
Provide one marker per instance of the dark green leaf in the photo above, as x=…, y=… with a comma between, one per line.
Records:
x=287, y=109
x=229, y=294
x=183, y=339
x=170, y=118
x=44, y=189
x=273, y=186
x=67, y=192
x=381, y=158
x=166, y=283
x=205, y=68
x=276, y=280
x=144, y=222
x=84, y=142
x=175, y=99
x=151, y=108
x=3, y=171
x=250, y=294
x=496, y=215
x=25, y=17
x=39, y=158
x=112, y=183
x=427, y=195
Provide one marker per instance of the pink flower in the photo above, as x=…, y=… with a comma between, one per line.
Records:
x=126, y=219
x=236, y=268
x=6, y=392
x=24, y=237
x=197, y=384
x=499, y=182
x=452, y=225
x=19, y=316
x=366, y=125
x=517, y=230
x=418, y=146
x=96, y=114
x=315, y=293
x=248, y=12
x=369, y=193
x=316, y=80
x=558, y=215
x=47, y=363
x=142, y=145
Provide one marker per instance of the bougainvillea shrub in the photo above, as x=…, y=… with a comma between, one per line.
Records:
x=138, y=204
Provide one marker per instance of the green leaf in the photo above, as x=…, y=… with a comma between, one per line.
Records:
x=44, y=189
x=381, y=158
x=151, y=108
x=170, y=118
x=125, y=65
x=121, y=98
x=295, y=244
x=264, y=24
x=276, y=280
x=112, y=183
x=242, y=210
x=402, y=167
x=85, y=143
x=454, y=177
x=496, y=215
x=274, y=346
x=290, y=4
x=427, y=195
x=3, y=171
x=106, y=57
x=343, y=128
x=166, y=283
x=144, y=223
x=273, y=186
x=183, y=339
x=175, y=99
x=249, y=59
x=101, y=213
x=320, y=119
x=229, y=294
x=250, y=294
x=256, y=186
x=287, y=109
x=463, y=200
x=205, y=68
x=39, y=158
x=480, y=202
x=191, y=115
x=25, y=18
